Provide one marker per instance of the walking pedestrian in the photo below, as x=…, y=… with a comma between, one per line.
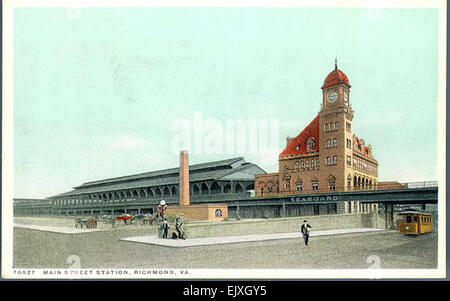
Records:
x=306, y=228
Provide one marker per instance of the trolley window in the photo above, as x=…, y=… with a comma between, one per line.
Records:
x=408, y=218
x=415, y=219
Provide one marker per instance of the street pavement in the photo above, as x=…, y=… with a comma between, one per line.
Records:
x=104, y=249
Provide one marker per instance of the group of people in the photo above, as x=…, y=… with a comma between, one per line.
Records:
x=179, y=229
x=164, y=226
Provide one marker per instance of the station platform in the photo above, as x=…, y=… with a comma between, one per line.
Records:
x=55, y=229
x=205, y=241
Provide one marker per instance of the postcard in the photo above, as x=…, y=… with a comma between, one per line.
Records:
x=223, y=140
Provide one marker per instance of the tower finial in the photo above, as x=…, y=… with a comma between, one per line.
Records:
x=335, y=63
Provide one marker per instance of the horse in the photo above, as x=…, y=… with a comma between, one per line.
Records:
x=89, y=223
x=81, y=221
x=92, y=223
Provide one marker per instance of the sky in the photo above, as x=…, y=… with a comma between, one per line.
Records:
x=106, y=92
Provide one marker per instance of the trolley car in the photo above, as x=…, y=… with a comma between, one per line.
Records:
x=415, y=222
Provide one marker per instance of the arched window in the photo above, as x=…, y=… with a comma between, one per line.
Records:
x=315, y=186
x=218, y=213
x=196, y=189
x=166, y=191
x=332, y=185
x=215, y=188
x=158, y=191
x=269, y=186
x=349, y=181
x=227, y=188
x=334, y=142
x=299, y=185
x=204, y=189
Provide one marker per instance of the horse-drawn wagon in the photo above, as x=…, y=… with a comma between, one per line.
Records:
x=87, y=222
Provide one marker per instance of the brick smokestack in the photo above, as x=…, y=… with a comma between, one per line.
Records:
x=184, y=178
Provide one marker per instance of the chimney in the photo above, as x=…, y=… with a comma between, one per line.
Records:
x=289, y=139
x=184, y=178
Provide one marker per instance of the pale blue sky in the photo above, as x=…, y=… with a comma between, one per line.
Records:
x=95, y=96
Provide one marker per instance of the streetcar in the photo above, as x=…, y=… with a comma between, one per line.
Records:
x=415, y=222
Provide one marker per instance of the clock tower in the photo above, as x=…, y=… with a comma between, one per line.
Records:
x=336, y=90
x=336, y=130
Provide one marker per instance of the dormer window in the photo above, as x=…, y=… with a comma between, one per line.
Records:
x=297, y=147
x=310, y=144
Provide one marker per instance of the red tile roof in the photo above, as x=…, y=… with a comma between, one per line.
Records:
x=312, y=130
x=335, y=77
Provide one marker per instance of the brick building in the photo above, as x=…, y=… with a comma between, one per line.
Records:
x=326, y=155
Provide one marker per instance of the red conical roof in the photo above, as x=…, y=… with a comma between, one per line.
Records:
x=312, y=130
x=336, y=77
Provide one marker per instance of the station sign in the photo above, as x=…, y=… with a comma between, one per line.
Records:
x=328, y=198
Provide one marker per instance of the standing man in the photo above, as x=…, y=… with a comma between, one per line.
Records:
x=179, y=228
x=166, y=228
x=305, y=231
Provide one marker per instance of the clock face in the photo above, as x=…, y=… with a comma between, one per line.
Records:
x=345, y=96
x=332, y=96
